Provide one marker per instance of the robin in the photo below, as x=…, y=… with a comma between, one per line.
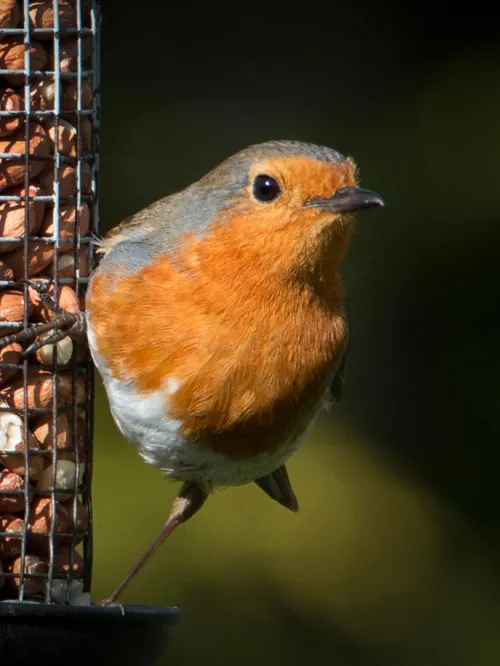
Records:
x=218, y=321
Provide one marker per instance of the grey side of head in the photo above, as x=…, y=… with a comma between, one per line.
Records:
x=155, y=229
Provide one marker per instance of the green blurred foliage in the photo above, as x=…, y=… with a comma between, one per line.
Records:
x=393, y=558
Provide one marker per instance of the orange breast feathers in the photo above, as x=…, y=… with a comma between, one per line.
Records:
x=248, y=351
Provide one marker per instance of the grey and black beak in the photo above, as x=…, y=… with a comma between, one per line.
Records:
x=347, y=200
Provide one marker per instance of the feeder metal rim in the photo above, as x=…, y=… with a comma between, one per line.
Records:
x=128, y=613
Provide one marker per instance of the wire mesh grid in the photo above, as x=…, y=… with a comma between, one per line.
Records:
x=49, y=134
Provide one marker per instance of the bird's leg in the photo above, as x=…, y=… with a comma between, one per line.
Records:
x=190, y=499
x=64, y=323
x=73, y=323
x=68, y=324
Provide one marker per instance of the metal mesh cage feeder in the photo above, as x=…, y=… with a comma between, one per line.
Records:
x=49, y=133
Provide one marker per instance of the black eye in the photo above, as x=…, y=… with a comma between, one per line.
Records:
x=266, y=188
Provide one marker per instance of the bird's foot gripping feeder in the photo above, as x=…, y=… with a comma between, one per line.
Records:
x=49, y=127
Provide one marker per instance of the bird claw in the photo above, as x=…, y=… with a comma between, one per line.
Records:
x=107, y=603
x=45, y=297
x=63, y=325
x=52, y=339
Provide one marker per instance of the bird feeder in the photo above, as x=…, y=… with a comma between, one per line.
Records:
x=49, y=175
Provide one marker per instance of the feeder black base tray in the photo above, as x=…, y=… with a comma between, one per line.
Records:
x=35, y=634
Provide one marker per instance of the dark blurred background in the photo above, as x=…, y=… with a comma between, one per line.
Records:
x=394, y=556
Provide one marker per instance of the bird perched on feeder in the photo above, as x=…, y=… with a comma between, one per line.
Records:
x=217, y=320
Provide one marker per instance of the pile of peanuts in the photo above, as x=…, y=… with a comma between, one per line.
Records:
x=43, y=408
